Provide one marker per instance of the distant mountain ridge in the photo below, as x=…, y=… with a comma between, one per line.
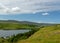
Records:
x=24, y=22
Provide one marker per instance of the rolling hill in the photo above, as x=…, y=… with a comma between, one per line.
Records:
x=14, y=24
x=23, y=22
x=50, y=34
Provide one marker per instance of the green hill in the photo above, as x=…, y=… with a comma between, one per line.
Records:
x=13, y=24
x=49, y=34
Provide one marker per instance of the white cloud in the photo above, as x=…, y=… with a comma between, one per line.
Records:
x=45, y=14
x=29, y=6
x=5, y=9
x=15, y=9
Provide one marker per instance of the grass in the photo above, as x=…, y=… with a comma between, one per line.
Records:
x=50, y=34
x=15, y=26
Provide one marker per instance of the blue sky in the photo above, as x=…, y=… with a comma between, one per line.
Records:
x=42, y=11
x=52, y=17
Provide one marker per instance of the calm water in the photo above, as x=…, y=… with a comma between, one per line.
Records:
x=5, y=33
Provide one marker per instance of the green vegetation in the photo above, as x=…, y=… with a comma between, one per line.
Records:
x=40, y=33
x=24, y=36
x=2, y=40
x=15, y=38
x=49, y=34
x=13, y=26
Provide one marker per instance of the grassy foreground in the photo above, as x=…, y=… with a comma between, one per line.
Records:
x=49, y=34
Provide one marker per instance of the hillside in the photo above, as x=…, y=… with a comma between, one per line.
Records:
x=49, y=34
x=23, y=22
x=13, y=24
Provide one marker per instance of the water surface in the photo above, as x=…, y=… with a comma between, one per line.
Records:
x=5, y=33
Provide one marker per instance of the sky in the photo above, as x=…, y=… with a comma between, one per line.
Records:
x=41, y=11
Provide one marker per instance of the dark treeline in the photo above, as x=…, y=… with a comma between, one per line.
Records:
x=20, y=36
x=15, y=38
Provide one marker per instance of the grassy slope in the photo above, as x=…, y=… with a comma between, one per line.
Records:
x=45, y=35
